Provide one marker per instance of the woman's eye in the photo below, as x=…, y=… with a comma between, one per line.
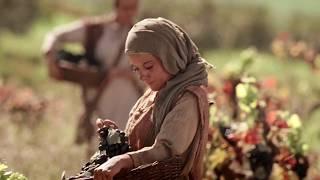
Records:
x=148, y=67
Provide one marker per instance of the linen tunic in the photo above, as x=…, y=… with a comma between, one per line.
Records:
x=180, y=132
x=120, y=94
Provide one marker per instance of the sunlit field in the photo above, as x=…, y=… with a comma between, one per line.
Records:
x=38, y=115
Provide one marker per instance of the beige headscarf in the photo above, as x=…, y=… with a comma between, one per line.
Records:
x=178, y=54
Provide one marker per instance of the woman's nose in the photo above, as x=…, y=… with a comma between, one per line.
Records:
x=143, y=75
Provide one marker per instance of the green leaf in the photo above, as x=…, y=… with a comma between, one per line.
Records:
x=17, y=176
x=294, y=121
x=241, y=91
x=3, y=167
x=8, y=173
x=305, y=148
x=217, y=157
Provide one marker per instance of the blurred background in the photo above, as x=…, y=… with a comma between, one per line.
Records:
x=38, y=115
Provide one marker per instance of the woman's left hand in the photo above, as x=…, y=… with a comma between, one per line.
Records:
x=113, y=166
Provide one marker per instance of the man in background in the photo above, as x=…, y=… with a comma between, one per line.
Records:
x=103, y=38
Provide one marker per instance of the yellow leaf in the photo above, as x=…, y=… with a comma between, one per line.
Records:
x=294, y=121
x=241, y=91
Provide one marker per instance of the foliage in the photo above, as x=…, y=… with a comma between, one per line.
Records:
x=205, y=20
x=255, y=23
x=17, y=15
x=257, y=136
x=286, y=46
x=47, y=142
x=5, y=174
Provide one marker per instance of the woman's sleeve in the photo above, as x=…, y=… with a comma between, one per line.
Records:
x=176, y=134
x=72, y=33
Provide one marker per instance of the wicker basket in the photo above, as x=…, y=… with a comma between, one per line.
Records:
x=169, y=169
x=82, y=75
x=163, y=170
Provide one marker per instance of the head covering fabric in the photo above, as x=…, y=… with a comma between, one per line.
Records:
x=178, y=54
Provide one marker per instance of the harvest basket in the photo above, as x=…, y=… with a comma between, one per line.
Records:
x=75, y=69
x=163, y=170
x=168, y=169
x=84, y=76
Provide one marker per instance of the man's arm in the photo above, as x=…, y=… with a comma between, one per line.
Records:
x=70, y=33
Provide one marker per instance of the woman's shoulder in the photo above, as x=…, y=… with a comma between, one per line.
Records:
x=193, y=92
x=198, y=90
x=192, y=95
x=186, y=97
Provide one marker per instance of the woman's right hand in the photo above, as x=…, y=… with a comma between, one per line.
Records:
x=105, y=123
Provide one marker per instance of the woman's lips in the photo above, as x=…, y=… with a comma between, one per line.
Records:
x=148, y=82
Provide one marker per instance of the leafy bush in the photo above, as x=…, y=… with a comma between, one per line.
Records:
x=6, y=174
x=257, y=139
x=17, y=15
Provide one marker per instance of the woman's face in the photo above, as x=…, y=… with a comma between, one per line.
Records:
x=149, y=69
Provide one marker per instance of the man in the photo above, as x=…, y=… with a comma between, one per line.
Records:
x=115, y=99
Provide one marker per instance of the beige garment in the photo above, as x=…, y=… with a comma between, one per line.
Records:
x=180, y=133
x=120, y=95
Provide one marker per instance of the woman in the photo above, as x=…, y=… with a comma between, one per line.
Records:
x=171, y=118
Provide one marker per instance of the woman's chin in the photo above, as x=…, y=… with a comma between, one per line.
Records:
x=154, y=87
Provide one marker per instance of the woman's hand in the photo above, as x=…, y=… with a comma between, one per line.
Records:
x=113, y=166
x=105, y=123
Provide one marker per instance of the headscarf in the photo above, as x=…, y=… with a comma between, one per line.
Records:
x=178, y=54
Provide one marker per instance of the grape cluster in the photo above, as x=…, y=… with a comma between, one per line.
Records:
x=75, y=59
x=112, y=142
x=261, y=161
x=302, y=166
